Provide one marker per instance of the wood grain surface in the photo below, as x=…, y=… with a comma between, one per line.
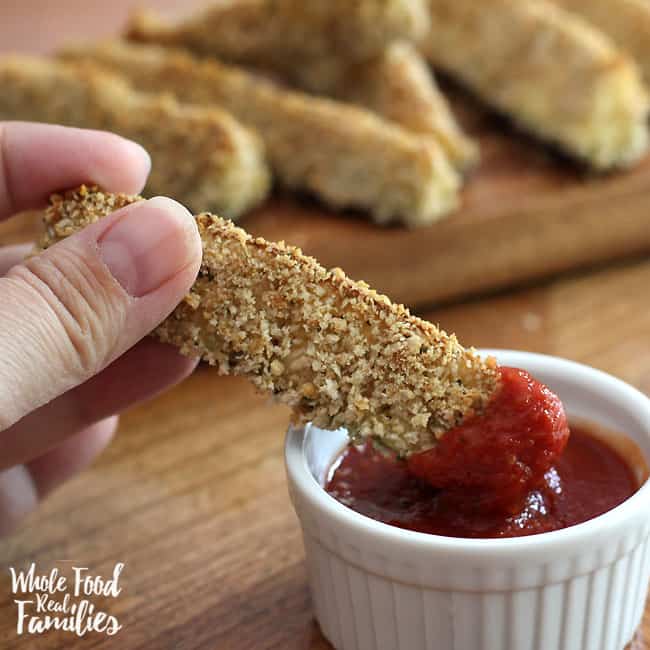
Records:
x=192, y=496
x=525, y=214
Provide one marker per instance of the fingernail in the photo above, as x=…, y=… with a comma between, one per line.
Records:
x=144, y=154
x=139, y=151
x=149, y=245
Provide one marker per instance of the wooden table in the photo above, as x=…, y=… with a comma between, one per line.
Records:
x=192, y=494
x=192, y=497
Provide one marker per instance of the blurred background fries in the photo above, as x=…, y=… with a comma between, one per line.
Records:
x=431, y=179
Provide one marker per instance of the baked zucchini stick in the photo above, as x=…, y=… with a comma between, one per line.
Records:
x=400, y=86
x=548, y=70
x=335, y=48
x=626, y=22
x=201, y=156
x=347, y=156
x=334, y=350
x=285, y=34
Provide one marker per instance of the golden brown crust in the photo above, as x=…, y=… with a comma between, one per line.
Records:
x=286, y=34
x=399, y=86
x=201, y=156
x=336, y=48
x=347, y=156
x=627, y=23
x=548, y=70
x=334, y=350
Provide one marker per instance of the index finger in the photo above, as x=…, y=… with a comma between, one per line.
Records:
x=39, y=159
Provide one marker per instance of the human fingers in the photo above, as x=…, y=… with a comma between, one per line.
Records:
x=69, y=312
x=38, y=159
x=144, y=371
x=12, y=255
x=22, y=486
x=72, y=456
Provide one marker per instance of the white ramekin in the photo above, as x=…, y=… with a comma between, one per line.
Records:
x=375, y=586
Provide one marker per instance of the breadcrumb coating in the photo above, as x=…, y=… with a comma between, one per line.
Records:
x=201, y=156
x=547, y=69
x=400, y=86
x=627, y=23
x=337, y=352
x=288, y=34
x=347, y=156
x=336, y=48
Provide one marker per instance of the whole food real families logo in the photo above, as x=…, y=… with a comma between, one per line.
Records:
x=53, y=601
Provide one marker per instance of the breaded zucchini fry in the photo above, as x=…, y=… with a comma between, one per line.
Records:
x=286, y=34
x=400, y=87
x=626, y=22
x=347, y=156
x=335, y=48
x=548, y=70
x=201, y=156
x=334, y=350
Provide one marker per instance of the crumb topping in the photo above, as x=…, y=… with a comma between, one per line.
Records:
x=336, y=351
x=201, y=156
x=345, y=155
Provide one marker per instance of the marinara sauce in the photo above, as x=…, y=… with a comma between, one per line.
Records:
x=511, y=471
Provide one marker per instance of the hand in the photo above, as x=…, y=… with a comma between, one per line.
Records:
x=72, y=318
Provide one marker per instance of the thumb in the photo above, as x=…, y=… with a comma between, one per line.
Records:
x=70, y=311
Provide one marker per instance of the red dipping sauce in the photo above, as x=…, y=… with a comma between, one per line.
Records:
x=512, y=471
x=497, y=457
x=589, y=479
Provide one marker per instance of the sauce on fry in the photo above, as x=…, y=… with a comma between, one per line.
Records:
x=514, y=470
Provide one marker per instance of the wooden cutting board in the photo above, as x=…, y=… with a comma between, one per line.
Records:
x=526, y=214
x=192, y=495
